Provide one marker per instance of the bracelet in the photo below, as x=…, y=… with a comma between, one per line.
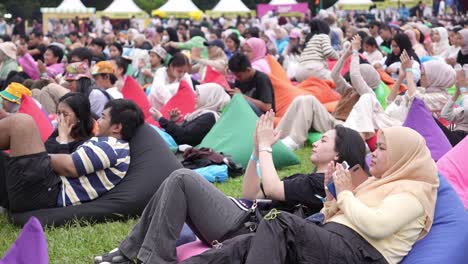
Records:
x=355, y=52
x=408, y=69
x=267, y=149
x=253, y=158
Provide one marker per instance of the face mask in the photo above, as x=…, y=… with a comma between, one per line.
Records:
x=165, y=39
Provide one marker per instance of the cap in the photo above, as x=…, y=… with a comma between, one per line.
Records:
x=294, y=34
x=216, y=42
x=103, y=67
x=76, y=71
x=14, y=92
x=9, y=49
x=160, y=51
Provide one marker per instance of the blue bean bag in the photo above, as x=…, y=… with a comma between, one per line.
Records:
x=151, y=163
x=447, y=242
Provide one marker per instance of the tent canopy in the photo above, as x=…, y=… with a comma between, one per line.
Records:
x=354, y=2
x=123, y=9
x=226, y=6
x=179, y=6
x=283, y=2
x=69, y=6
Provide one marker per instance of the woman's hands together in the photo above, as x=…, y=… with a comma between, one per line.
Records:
x=265, y=134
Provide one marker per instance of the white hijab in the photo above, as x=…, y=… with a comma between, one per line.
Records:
x=211, y=98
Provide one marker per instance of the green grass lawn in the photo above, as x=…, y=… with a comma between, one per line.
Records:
x=80, y=242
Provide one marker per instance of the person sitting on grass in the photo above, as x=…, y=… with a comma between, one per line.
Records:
x=35, y=179
x=186, y=197
x=254, y=85
x=75, y=124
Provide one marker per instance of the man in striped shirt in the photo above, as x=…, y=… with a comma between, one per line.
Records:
x=33, y=179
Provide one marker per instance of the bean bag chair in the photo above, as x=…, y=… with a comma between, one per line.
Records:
x=387, y=79
x=184, y=100
x=448, y=239
x=29, y=247
x=132, y=91
x=277, y=70
x=420, y=119
x=381, y=93
x=454, y=167
x=331, y=106
x=151, y=163
x=314, y=137
x=29, y=107
x=321, y=89
x=212, y=76
x=189, y=250
x=233, y=135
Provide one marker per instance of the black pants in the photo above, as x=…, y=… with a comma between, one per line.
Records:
x=454, y=136
x=289, y=239
x=28, y=183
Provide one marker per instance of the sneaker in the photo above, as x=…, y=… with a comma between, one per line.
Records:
x=114, y=256
x=290, y=143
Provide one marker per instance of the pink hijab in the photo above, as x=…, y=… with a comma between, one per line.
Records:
x=464, y=47
x=412, y=36
x=259, y=50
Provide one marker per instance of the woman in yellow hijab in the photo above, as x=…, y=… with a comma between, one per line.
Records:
x=377, y=222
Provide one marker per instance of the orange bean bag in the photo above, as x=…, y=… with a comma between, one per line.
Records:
x=387, y=79
x=321, y=89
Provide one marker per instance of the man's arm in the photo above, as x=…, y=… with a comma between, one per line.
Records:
x=264, y=107
x=63, y=165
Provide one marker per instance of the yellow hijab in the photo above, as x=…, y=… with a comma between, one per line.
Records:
x=412, y=171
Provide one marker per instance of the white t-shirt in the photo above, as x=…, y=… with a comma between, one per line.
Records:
x=115, y=93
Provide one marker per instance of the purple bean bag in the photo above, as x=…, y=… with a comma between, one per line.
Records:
x=29, y=247
x=420, y=119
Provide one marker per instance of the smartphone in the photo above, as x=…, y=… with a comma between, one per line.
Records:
x=358, y=176
x=331, y=185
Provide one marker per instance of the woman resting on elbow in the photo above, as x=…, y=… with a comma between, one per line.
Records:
x=75, y=124
x=187, y=197
x=211, y=99
x=377, y=222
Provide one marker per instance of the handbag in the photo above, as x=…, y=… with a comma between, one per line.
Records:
x=345, y=105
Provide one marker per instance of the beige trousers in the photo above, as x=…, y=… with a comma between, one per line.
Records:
x=305, y=114
x=49, y=96
x=315, y=69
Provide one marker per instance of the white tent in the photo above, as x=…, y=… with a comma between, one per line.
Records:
x=283, y=2
x=123, y=9
x=354, y=2
x=67, y=9
x=179, y=6
x=236, y=6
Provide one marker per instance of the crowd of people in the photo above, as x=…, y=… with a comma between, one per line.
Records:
x=78, y=71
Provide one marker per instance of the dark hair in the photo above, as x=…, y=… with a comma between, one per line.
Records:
x=239, y=63
x=37, y=34
x=317, y=26
x=81, y=106
x=84, y=86
x=234, y=37
x=112, y=78
x=117, y=46
x=74, y=33
x=178, y=60
x=254, y=32
x=404, y=43
x=58, y=52
x=122, y=63
x=375, y=23
x=126, y=113
x=421, y=36
x=172, y=33
x=183, y=25
x=217, y=32
x=350, y=147
x=82, y=53
x=195, y=32
x=371, y=42
x=99, y=42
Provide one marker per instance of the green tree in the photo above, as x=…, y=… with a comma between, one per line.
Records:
x=150, y=5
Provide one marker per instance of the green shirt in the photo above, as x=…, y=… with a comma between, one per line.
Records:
x=195, y=42
x=7, y=66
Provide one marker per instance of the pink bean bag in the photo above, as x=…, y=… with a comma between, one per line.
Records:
x=191, y=249
x=29, y=107
x=454, y=166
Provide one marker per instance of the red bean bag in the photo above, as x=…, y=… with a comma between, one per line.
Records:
x=184, y=100
x=29, y=107
x=213, y=76
x=133, y=91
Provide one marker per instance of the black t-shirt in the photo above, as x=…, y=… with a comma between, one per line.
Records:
x=301, y=189
x=42, y=48
x=462, y=59
x=259, y=88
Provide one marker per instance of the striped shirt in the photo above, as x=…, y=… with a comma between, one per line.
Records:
x=318, y=49
x=101, y=162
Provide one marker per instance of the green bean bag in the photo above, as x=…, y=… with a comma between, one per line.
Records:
x=314, y=137
x=381, y=93
x=233, y=135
